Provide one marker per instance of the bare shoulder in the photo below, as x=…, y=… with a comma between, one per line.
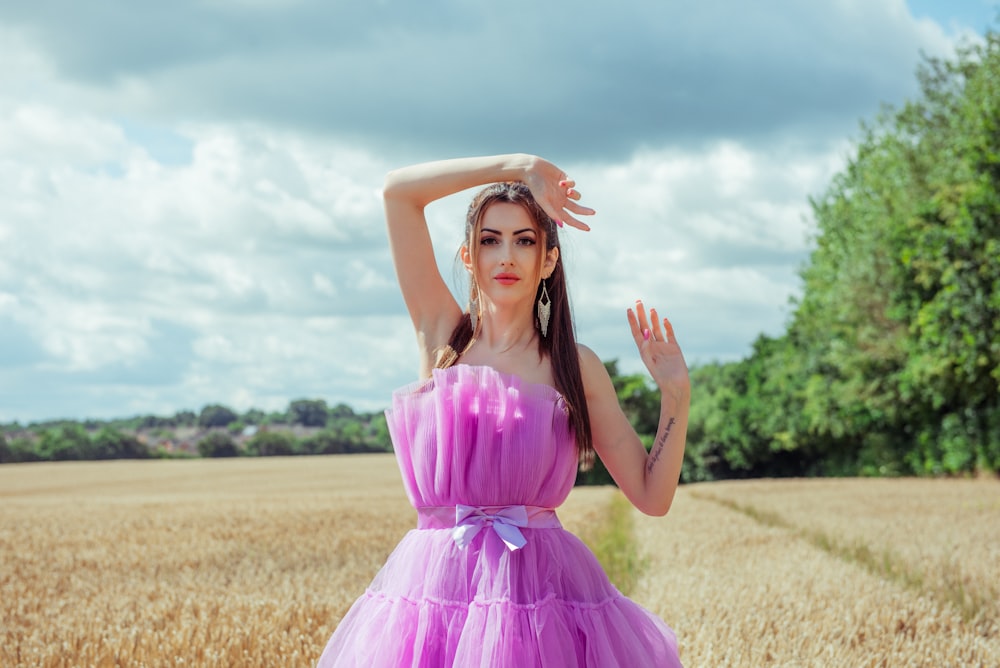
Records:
x=587, y=357
x=594, y=373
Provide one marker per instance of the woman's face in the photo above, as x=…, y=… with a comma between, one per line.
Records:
x=510, y=257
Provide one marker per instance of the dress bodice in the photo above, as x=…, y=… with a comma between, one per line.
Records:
x=477, y=436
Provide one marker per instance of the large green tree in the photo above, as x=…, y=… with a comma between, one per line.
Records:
x=900, y=318
x=891, y=361
x=216, y=415
x=308, y=412
x=110, y=443
x=64, y=443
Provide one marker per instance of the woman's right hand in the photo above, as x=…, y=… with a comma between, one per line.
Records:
x=555, y=193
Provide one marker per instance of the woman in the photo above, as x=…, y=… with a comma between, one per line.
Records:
x=490, y=438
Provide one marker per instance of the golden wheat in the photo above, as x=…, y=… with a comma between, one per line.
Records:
x=750, y=590
x=252, y=562
x=203, y=563
x=940, y=537
x=248, y=562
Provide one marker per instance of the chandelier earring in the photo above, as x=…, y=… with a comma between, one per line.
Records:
x=544, y=310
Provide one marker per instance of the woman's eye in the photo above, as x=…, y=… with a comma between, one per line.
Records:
x=488, y=241
x=526, y=241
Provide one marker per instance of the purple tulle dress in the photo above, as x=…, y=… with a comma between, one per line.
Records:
x=489, y=578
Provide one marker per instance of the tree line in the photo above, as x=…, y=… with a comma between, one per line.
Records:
x=307, y=427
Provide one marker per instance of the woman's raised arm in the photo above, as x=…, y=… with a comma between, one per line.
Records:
x=407, y=193
x=649, y=480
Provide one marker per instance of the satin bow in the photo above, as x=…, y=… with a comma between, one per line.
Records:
x=470, y=520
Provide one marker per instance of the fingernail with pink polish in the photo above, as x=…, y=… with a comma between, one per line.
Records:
x=559, y=223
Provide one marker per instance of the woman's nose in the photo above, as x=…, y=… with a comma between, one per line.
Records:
x=506, y=255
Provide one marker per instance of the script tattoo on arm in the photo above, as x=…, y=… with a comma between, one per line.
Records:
x=658, y=446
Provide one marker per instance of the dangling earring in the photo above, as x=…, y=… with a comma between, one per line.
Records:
x=544, y=310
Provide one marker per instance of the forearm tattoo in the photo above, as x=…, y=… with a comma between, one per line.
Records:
x=658, y=446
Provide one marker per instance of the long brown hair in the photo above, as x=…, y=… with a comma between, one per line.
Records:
x=560, y=342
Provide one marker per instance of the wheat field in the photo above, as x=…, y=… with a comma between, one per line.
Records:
x=251, y=562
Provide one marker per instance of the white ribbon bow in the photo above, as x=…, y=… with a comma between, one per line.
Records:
x=470, y=520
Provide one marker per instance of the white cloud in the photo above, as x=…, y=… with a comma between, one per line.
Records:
x=259, y=223
x=85, y=337
x=711, y=238
x=324, y=285
x=42, y=135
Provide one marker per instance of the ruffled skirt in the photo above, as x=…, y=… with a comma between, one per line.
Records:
x=435, y=604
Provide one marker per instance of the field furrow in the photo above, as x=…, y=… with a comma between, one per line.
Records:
x=750, y=590
x=940, y=537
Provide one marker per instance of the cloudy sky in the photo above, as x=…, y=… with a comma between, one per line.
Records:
x=189, y=190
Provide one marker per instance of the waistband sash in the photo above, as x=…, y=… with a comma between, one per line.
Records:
x=507, y=521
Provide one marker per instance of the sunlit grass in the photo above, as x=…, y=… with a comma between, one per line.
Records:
x=612, y=540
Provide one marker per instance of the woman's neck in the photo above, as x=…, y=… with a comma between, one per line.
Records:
x=505, y=331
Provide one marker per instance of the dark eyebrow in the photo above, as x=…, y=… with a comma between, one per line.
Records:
x=516, y=232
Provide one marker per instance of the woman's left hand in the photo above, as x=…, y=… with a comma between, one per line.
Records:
x=555, y=193
x=660, y=352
